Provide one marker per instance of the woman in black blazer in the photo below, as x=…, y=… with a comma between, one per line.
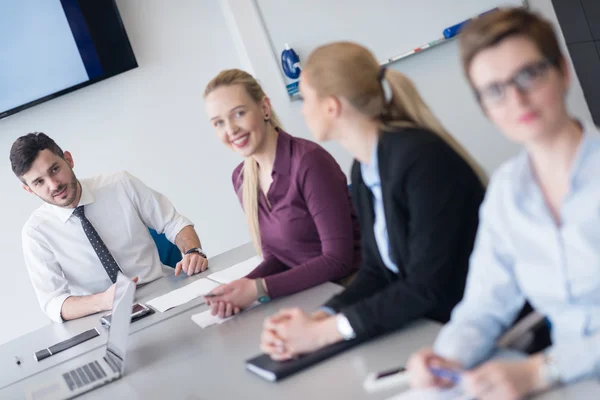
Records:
x=417, y=194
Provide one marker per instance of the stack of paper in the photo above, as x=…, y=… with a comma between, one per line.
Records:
x=183, y=295
x=206, y=319
x=237, y=271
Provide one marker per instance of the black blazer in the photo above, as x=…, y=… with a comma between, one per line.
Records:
x=431, y=199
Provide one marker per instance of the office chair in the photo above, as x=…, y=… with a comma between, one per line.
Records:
x=168, y=253
x=530, y=332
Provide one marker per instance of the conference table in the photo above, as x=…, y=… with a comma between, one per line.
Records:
x=169, y=356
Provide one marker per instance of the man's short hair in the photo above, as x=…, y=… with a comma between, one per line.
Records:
x=25, y=150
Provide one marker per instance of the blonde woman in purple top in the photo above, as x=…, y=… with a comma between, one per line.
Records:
x=294, y=194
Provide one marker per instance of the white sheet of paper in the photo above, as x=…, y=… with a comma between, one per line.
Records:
x=182, y=295
x=237, y=271
x=432, y=394
x=206, y=319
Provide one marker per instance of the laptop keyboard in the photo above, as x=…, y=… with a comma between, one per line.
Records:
x=83, y=376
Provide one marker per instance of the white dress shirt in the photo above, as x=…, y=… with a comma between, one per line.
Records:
x=59, y=257
x=521, y=253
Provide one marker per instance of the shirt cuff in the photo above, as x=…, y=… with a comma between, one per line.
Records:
x=54, y=307
x=327, y=310
x=173, y=228
x=465, y=346
x=344, y=327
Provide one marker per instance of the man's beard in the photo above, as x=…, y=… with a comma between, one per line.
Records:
x=73, y=186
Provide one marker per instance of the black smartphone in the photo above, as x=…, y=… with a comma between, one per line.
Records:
x=138, y=311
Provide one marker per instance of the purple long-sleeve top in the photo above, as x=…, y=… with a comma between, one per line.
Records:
x=311, y=234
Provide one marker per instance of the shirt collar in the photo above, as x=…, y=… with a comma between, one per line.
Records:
x=283, y=153
x=590, y=142
x=370, y=171
x=375, y=156
x=65, y=213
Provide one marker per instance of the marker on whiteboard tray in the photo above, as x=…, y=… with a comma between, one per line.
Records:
x=290, y=63
x=448, y=33
x=415, y=50
x=454, y=29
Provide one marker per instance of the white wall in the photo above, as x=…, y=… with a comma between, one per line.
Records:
x=149, y=121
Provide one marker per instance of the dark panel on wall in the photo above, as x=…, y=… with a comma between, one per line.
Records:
x=592, y=14
x=587, y=64
x=573, y=22
x=580, y=23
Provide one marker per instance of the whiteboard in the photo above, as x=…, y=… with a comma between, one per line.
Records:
x=391, y=27
x=387, y=27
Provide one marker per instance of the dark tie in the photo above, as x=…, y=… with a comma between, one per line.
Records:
x=107, y=260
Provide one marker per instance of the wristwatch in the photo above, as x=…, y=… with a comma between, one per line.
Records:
x=344, y=327
x=197, y=250
x=549, y=372
x=261, y=293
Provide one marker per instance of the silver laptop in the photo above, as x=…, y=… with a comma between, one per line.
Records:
x=66, y=383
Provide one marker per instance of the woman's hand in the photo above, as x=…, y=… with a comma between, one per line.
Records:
x=293, y=332
x=229, y=299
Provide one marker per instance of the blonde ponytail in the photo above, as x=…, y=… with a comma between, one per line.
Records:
x=249, y=172
x=351, y=71
x=408, y=109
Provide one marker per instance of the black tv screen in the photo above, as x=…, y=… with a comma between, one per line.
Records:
x=52, y=47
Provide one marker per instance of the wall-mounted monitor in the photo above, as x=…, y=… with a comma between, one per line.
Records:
x=52, y=47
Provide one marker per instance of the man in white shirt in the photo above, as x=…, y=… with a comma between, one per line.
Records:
x=90, y=229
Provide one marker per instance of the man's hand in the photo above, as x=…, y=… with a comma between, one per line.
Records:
x=79, y=306
x=108, y=295
x=191, y=264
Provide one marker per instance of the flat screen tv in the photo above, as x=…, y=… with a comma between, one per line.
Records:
x=52, y=47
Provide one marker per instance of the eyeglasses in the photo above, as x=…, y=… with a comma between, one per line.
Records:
x=525, y=80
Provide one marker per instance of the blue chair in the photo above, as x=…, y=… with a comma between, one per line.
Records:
x=168, y=253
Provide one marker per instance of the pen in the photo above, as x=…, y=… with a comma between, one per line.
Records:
x=211, y=295
x=448, y=374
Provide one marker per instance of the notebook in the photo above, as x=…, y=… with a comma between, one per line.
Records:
x=274, y=371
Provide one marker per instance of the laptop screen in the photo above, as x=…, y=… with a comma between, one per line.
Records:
x=118, y=333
